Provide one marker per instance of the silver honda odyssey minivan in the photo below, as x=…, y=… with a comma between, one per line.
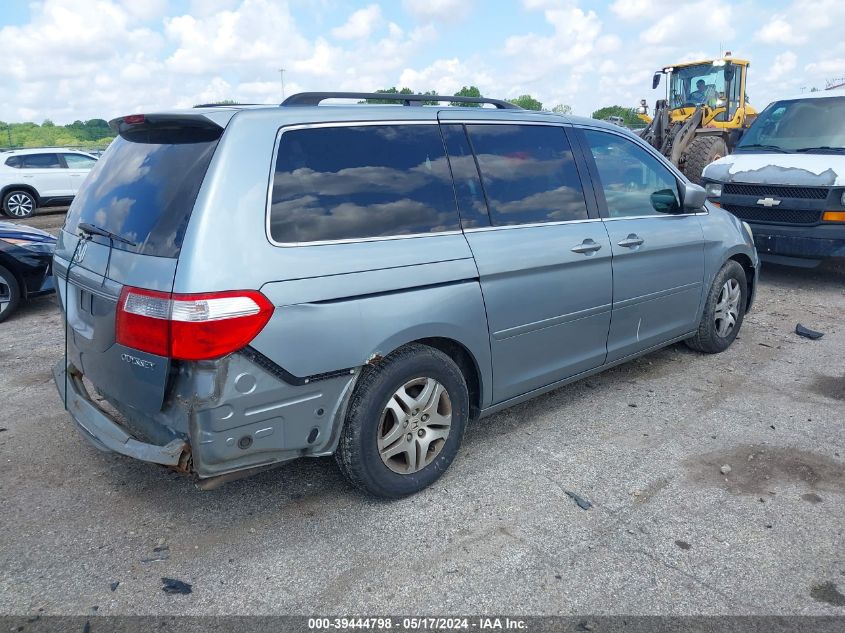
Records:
x=246, y=285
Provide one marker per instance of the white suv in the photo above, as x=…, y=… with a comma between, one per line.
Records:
x=43, y=177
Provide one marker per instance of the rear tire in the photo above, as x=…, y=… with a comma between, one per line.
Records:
x=10, y=294
x=405, y=422
x=19, y=203
x=724, y=310
x=701, y=152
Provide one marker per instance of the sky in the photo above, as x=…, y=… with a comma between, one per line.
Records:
x=80, y=59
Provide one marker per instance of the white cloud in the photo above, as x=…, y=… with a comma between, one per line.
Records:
x=637, y=9
x=147, y=10
x=778, y=31
x=360, y=24
x=832, y=68
x=783, y=64
x=574, y=37
x=258, y=32
x=695, y=21
x=439, y=10
x=447, y=76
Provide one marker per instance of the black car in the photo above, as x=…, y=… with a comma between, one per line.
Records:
x=25, y=268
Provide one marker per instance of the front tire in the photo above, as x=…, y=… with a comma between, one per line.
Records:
x=724, y=310
x=10, y=294
x=701, y=152
x=19, y=203
x=405, y=422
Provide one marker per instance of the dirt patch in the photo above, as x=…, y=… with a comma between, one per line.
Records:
x=829, y=593
x=754, y=469
x=829, y=387
x=651, y=490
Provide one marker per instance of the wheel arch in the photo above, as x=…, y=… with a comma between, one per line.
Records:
x=28, y=188
x=748, y=266
x=466, y=362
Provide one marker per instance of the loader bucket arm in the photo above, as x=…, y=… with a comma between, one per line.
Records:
x=656, y=132
x=684, y=136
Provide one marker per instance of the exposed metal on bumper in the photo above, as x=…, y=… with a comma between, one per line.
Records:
x=105, y=433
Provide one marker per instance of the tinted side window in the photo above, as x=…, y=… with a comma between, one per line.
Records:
x=41, y=161
x=471, y=203
x=13, y=161
x=529, y=173
x=354, y=182
x=78, y=161
x=634, y=182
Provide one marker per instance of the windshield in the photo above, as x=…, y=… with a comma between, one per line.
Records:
x=705, y=84
x=800, y=124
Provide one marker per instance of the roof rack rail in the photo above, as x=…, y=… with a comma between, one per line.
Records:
x=225, y=105
x=315, y=98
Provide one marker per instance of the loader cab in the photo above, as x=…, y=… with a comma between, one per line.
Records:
x=718, y=85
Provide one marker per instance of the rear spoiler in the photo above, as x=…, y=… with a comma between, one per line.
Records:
x=212, y=122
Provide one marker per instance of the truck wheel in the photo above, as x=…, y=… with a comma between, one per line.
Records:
x=10, y=294
x=724, y=310
x=701, y=152
x=404, y=423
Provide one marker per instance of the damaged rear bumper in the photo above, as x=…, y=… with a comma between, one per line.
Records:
x=106, y=433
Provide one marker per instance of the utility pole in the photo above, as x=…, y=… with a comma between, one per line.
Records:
x=282, y=75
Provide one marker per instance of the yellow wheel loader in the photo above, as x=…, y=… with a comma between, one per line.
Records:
x=703, y=115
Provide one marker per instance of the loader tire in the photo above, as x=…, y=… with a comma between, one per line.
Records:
x=703, y=151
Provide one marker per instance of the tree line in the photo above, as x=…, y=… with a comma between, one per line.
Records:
x=91, y=134
x=526, y=102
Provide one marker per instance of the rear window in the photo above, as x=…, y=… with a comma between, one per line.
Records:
x=144, y=189
x=364, y=181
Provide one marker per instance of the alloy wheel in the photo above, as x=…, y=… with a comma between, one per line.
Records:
x=5, y=295
x=20, y=205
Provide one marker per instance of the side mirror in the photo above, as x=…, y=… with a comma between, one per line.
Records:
x=694, y=197
x=664, y=201
x=655, y=80
x=730, y=71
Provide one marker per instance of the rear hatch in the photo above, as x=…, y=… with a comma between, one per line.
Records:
x=125, y=229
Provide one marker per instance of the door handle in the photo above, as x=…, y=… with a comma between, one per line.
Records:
x=631, y=241
x=587, y=246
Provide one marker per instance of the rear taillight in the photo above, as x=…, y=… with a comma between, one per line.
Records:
x=190, y=326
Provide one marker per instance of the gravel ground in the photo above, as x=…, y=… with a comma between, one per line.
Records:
x=644, y=442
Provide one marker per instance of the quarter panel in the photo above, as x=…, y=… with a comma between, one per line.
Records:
x=323, y=336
